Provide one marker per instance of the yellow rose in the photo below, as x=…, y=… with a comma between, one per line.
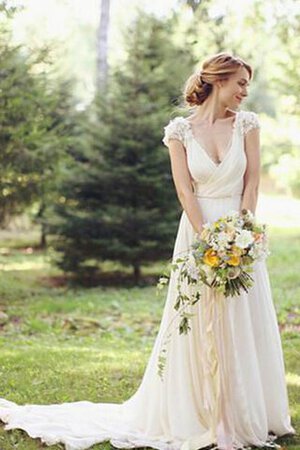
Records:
x=234, y=260
x=236, y=251
x=211, y=258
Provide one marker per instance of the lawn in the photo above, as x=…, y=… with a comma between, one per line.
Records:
x=62, y=343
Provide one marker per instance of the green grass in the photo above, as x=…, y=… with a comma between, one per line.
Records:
x=63, y=343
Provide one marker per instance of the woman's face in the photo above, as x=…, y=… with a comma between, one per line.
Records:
x=235, y=89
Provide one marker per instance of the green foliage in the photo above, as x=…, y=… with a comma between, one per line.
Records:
x=287, y=76
x=119, y=198
x=34, y=128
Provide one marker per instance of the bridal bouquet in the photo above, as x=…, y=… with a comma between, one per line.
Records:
x=221, y=257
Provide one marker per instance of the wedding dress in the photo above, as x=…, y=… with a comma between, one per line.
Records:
x=224, y=382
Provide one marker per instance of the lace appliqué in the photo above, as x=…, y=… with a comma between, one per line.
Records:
x=176, y=129
x=250, y=121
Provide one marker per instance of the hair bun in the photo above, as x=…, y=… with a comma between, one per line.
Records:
x=217, y=67
x=196, y=89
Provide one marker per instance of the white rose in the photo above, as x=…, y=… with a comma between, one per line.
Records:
x=223, y=239
x=244, y=239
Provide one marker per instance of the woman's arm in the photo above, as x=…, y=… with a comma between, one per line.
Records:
x=183, y=185
x=252, y=174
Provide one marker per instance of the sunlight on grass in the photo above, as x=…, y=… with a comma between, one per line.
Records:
x=293, y=379
x=23, y=259
x=25, y=265
x=56, y=351
x=278, y=211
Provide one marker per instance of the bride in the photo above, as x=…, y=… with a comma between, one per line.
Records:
x=224, y=382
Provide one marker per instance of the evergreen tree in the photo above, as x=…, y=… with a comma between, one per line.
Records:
x=119, y=199
x=34, y=128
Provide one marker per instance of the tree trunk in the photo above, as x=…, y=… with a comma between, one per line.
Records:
x=43, y=240
x=136, y=273
x=40, y=215
x=102, y=43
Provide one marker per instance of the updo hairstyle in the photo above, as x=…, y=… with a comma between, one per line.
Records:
x=215, y=68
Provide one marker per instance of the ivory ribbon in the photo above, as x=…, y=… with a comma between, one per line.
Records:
x=213, y=312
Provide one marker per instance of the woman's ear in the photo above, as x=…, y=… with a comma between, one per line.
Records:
x=220, y=83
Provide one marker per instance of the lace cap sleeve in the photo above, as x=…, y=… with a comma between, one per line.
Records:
x=176, y=129
x=250, y=121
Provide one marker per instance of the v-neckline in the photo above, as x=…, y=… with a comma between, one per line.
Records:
x=229, y=146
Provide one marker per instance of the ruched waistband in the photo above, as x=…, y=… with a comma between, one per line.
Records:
x=217, y=196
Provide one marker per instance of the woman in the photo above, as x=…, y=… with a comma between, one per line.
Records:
x=224, y=382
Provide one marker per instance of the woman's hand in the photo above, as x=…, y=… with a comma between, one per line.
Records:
x=199, y=231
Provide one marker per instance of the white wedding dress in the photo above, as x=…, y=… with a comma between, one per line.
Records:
x=224, y=382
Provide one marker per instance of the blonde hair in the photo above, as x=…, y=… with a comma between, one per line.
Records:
x=215, y=68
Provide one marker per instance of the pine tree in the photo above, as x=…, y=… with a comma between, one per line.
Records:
x=119, y=200
x=34, y=128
